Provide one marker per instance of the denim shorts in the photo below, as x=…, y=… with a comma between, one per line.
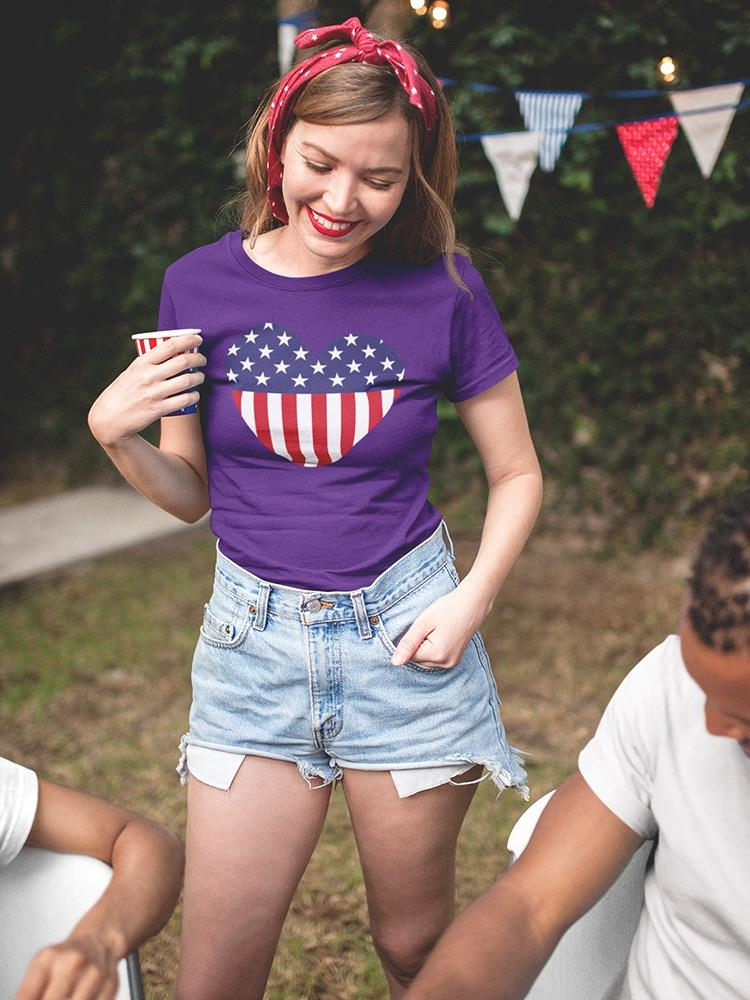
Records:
x=306, y=676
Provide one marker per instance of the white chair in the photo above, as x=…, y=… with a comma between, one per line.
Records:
x=43, y=894
x=590, y=959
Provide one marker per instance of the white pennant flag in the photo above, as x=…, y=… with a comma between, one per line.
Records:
x=706, y=132
x=514, y=157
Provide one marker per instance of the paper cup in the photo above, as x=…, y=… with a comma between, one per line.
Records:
x=145, y=342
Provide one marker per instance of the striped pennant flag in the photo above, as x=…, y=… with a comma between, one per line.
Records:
x=544, y=110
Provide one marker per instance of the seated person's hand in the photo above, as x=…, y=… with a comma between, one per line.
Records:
x=83, y=967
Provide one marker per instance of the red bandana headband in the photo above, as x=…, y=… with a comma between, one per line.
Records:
x=363, y=48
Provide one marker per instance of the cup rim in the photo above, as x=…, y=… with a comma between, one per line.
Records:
x=163, y=333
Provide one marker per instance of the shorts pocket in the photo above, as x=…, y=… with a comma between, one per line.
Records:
x=226, y=619
x=397, y=619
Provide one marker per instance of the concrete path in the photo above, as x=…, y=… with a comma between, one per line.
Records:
x=48, y=534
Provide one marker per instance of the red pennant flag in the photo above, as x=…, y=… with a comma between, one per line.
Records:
x=647, y=146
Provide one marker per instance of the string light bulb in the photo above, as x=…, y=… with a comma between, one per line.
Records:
x=439, y=13
x=418, y=6
x=668, y=69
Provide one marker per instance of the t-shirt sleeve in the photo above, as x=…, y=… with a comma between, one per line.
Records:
x=18, y=801
x=481, y=354
x=167, y=315
x=619, y=762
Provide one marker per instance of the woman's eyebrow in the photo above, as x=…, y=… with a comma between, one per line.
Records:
x=367, y=170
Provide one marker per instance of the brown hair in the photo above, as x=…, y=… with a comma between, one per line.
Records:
x=423, y=226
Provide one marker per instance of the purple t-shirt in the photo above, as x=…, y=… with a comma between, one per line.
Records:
x=320, y=403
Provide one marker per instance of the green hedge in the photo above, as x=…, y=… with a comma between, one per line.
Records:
x=632, y=325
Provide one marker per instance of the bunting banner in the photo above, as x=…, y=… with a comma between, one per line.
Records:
x=552, y=113
x=706, y=132
x=514, y=158
x=647, y=146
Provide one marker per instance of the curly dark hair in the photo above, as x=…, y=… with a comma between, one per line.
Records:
x=719, y=588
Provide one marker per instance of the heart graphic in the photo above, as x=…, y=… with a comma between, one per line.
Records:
x=311, y=411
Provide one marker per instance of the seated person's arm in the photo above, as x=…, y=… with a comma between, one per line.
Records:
x=499, y=944
x=147, y=862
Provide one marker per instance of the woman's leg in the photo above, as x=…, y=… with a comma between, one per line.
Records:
x=408, y=849
x=246, y=851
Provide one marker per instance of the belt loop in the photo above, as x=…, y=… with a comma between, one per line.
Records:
x=360, y=611
x=450, y=540
x=260, y=615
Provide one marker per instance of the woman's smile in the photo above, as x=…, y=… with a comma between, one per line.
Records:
x=330, y=227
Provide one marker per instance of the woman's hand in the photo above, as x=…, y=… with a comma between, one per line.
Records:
x=439, y=635
x=83, y=967
x=146, y=390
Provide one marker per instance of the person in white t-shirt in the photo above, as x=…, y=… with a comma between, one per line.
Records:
x=670, y=759
x=147, y=861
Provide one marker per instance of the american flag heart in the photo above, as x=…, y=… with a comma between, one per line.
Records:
x=311, y=411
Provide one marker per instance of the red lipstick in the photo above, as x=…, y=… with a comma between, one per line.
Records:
x=328, y=232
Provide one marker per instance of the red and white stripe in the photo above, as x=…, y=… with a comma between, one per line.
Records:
x=146, y=344
x=315, y=428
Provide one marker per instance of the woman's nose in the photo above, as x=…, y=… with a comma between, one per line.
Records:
x=340, y=197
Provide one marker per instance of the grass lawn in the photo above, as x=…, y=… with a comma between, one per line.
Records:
x=94, y=692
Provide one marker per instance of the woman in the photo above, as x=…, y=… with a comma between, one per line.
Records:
x=339, y=642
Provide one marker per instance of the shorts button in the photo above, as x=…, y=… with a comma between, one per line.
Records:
x=253, y=609
x=374, y=619
x=314, y=605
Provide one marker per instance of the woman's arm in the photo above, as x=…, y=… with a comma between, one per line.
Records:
x=173, y=476
x=147, y=861
x=496, y=422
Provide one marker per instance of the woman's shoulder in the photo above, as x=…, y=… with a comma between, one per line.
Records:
x=437, y=271
x=199, y=258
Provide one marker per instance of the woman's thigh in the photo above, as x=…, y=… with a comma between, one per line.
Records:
x=407, y=848
x=247, y=849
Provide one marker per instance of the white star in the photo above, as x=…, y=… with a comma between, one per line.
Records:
x=300, y=353
x=351, y=339
x=401, y=375
x=337, y=380
x=251, y=337
x=269, y=326
x=234, y=349
x=354, y=366
x=368, y=351
x=262, y=378
x=335, y=353
x=282, y=367
x=284, y=338
x=299, y=380
x=232, y=376
x=387, y=363
x=370, y=378
x=318, y=368
x=247, y=364
x=266, y=351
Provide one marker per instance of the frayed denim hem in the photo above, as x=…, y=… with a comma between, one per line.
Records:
x=508, y=774
x=307, y=770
